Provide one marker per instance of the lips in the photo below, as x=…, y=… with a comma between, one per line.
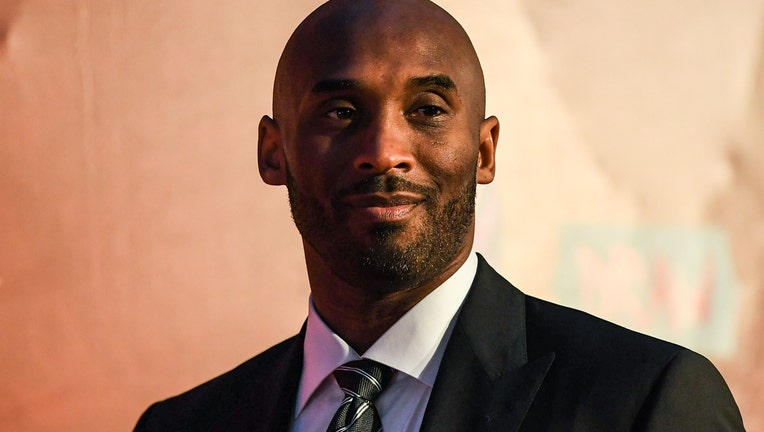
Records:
x=383, y=207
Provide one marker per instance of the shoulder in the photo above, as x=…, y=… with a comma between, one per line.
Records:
x=552, y=327
x=213, y=399
x=657, y=384
x=573, y=335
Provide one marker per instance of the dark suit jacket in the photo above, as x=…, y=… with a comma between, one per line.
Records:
x=513, y=363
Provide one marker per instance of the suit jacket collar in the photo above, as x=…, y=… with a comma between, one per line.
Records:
x=485, y=378
x=284, y=381
x=271, y=393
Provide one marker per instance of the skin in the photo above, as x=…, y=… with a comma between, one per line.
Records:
x=379, y=133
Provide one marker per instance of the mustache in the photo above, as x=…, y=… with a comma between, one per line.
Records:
x=385, y=184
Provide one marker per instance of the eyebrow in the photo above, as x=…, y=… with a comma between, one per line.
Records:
x=334, y=85
x=444, y=82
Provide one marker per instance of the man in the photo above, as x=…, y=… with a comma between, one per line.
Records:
x=380, y=136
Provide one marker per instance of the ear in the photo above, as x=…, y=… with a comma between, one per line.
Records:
x=489, y=137
x=270, y=153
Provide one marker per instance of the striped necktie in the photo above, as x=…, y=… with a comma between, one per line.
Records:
x=361, y=381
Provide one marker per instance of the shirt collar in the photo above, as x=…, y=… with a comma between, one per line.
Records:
x=412, y=345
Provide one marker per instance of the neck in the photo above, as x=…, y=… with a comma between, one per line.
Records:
x=360, y=315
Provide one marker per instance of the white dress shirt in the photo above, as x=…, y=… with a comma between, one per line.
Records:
x=413, y=346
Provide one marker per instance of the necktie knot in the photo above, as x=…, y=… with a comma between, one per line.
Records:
x=363, y=378
x=361, y=381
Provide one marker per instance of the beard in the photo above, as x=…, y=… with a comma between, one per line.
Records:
x=388, y=263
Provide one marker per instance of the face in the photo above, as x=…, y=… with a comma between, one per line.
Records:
x=381, y=150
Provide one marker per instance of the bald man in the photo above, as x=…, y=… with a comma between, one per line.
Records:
x=380, y=136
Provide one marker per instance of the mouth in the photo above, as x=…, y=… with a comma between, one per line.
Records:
x=379, y=207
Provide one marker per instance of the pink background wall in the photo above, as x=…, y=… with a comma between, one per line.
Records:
x=140, y=254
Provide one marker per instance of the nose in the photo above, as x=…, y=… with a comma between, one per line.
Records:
x=384, y=147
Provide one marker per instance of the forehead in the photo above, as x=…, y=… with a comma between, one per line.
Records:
x=389, y=54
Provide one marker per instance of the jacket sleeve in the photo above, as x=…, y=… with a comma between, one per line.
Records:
x=690, y=395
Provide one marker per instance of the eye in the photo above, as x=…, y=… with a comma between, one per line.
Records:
x=429, y=111
x=342, y=113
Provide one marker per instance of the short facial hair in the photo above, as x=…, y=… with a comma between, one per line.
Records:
x=386, y=265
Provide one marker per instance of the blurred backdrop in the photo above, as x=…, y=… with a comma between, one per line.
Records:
x=140, y=254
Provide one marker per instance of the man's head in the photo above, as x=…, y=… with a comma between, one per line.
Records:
x=380, y=137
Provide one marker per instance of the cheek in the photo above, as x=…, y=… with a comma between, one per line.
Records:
x=313, y=166
x=450, y=165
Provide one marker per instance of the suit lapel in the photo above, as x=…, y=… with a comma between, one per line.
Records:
x=283, y=382
x=485, y=380
x=267, y=405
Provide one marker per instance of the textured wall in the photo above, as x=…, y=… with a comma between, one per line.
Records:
x=140, y=254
